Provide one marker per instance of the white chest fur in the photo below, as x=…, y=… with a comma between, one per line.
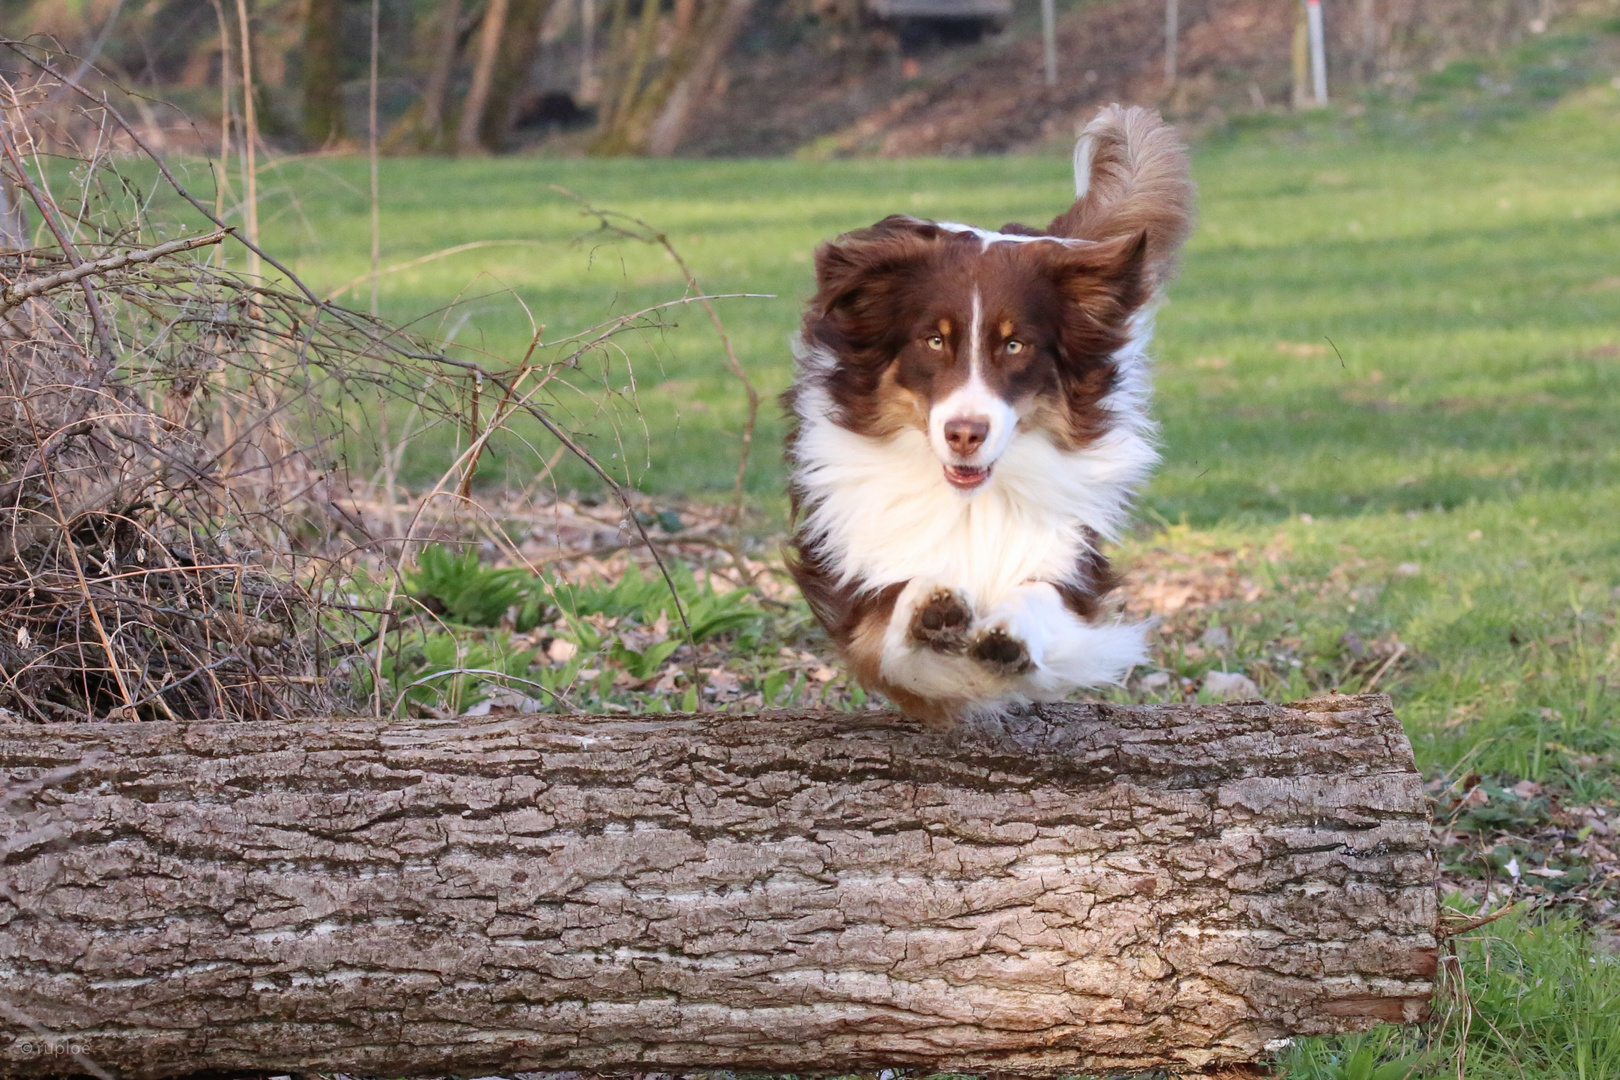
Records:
x=883, y=511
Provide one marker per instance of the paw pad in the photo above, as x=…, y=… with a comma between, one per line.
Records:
x=941, y=622
x=1001, y=652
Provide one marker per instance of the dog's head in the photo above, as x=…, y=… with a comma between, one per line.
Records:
x=973, y=337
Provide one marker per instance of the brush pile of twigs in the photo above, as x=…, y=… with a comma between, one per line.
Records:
x=169, y=435
x=142, y=508
x=181, y=443
x=166, y=430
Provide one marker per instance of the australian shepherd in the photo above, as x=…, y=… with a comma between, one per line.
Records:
x=970, y=421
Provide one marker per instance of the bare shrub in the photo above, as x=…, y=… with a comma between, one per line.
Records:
x=178, y=442
x=165, y=429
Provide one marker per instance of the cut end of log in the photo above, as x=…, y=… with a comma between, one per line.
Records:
x=1082, y=888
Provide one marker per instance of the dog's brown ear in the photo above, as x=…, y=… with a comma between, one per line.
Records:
x=1100, y=288
x=862, y=279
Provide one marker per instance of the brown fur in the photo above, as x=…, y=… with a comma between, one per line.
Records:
x=857, y=621
x=884, y=291
x=1094, y=579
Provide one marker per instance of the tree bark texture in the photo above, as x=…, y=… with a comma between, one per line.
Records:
x=1082, y=888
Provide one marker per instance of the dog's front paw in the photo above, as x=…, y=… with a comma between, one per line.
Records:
x=999, y=651
x=941, y=622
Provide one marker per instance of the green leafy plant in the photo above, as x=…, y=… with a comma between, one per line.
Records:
x=1363, y=1064
x=458, y=588
x=1355, y=1057
x=646, y=598
x=646, y=663
x=447, y=671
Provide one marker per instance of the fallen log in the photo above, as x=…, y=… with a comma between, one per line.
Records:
x=1085, y=888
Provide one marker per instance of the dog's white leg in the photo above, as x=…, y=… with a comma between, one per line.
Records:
x=1063, y=650
x=937, y=671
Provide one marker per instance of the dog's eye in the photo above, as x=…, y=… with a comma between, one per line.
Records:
x=1014, y=348
x=936, y=342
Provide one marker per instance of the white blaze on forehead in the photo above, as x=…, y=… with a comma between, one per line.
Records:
x=991, y=236
x=973, y=400
x=975, y=335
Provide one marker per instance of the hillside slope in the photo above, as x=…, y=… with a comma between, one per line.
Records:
x=826, y=91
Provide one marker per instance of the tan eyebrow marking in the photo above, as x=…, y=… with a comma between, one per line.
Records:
x=1007, y=328
x=945, y=327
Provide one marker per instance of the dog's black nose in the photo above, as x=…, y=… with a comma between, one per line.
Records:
x=966, y=434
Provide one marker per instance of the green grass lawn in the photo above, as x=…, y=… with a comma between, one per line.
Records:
x=1390, y=391
x=1467, y=291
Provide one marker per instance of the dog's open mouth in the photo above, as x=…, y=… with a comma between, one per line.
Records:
x=966, y=477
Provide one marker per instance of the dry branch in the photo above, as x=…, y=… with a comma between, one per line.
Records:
x=635, y=228
x=1085, y=888
x=16, y=294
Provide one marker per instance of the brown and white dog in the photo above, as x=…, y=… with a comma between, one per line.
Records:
x=971, y=419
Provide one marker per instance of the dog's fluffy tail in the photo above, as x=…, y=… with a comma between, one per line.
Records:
x=1131, y=176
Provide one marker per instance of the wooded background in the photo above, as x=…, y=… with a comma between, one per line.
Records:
x=462, y=76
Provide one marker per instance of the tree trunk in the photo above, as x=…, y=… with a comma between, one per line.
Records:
x=1367, y=59
x=675, y=110
x=684, y=11
x=431, y=131
x=519, y=46
x=619, y=102
x=489, y=46
x=611, y=59
x=323, y=86
x=13, y=218
x=589, y=84
x=1085, y=888
x=1301, y=59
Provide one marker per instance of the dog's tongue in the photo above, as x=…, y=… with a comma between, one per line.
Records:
x=965, y=477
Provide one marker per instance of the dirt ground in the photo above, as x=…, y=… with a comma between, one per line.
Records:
x=834, y=93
